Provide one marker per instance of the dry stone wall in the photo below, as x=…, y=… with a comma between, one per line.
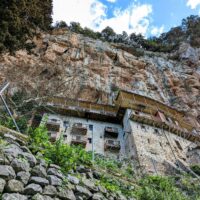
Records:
x=24, y=176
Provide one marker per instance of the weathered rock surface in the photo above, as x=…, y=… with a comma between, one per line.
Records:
x=23, y=177
x=73, y=179
x=14, y=196
x=32, y=189
x=15, y=186
x=39, y=180
x=39, y=170
x=55, y=172
x=64, y=193
x=20, y=165
x=65, y=63
x=50, y=190
x=41, y=197
x=54, y=180
x=2, y=185
x=7, y=172
x=83, y=191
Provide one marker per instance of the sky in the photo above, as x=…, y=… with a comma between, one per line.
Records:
x=148, y=17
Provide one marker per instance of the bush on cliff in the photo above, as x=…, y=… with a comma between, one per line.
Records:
x=158, y=188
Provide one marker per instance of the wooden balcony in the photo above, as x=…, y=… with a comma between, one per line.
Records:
x=113, y=145
x=79, y=129
x=79, y=140
x=111, y=132
x=53, y=126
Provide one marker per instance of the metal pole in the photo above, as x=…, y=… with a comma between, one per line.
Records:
x=92, y=145
x=9, y=112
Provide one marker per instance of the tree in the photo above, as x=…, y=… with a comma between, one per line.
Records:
x=61, y=24
x=108, y=33
x=76, y=27
x=19, y=19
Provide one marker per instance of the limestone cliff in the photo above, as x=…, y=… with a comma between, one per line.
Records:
x=67, y=64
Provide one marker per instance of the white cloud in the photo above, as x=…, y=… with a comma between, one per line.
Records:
x=112, y=1
x=87, y=13
x=93, y=14
x=133, y=19
x=155, y=31
x=193, y=3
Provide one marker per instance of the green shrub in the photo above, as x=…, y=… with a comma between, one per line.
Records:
x=196, y=169
x=68, y=157
x=8, y=122
x=190, y=187
x=158, y=188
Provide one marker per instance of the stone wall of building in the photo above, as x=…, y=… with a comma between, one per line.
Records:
x=93, y=127
x=157, y=150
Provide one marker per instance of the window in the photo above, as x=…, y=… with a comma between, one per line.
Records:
x=90, y=140
x=178, y=145
x=143, y=127
x=148, y=141
x=66, y=125
x=136, y=112
x=124, y=134
x=156, y=131
x=90, y=127
x=54, y=120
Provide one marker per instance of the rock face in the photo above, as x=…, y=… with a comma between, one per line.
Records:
x=68, y=64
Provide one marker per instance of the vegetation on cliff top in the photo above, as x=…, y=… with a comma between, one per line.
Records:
x=189, y=31
x=20, y=19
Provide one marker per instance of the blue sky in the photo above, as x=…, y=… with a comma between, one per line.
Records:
x=148, y=17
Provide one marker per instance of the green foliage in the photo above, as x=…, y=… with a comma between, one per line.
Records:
x=108, y=32
x=158, y=188
x=61, y=24
x=76, y=27
x=116, y=186
x=19, y=20
x=3, y=144
x=189, y=186
x=196, y=169
x=8, y=122
x=39, y=139
x=68, y=157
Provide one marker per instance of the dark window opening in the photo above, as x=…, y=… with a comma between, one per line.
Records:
x=141, y=107
x=143, y=127
x=137, y=113
x=156, y=131
x=111, y=132
x=148, y=141
x=90, y=140
x=161, y=144
x=53, y=127
x=90, y=127
x=66, y=125
x=178, y=145
x=124, y=134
